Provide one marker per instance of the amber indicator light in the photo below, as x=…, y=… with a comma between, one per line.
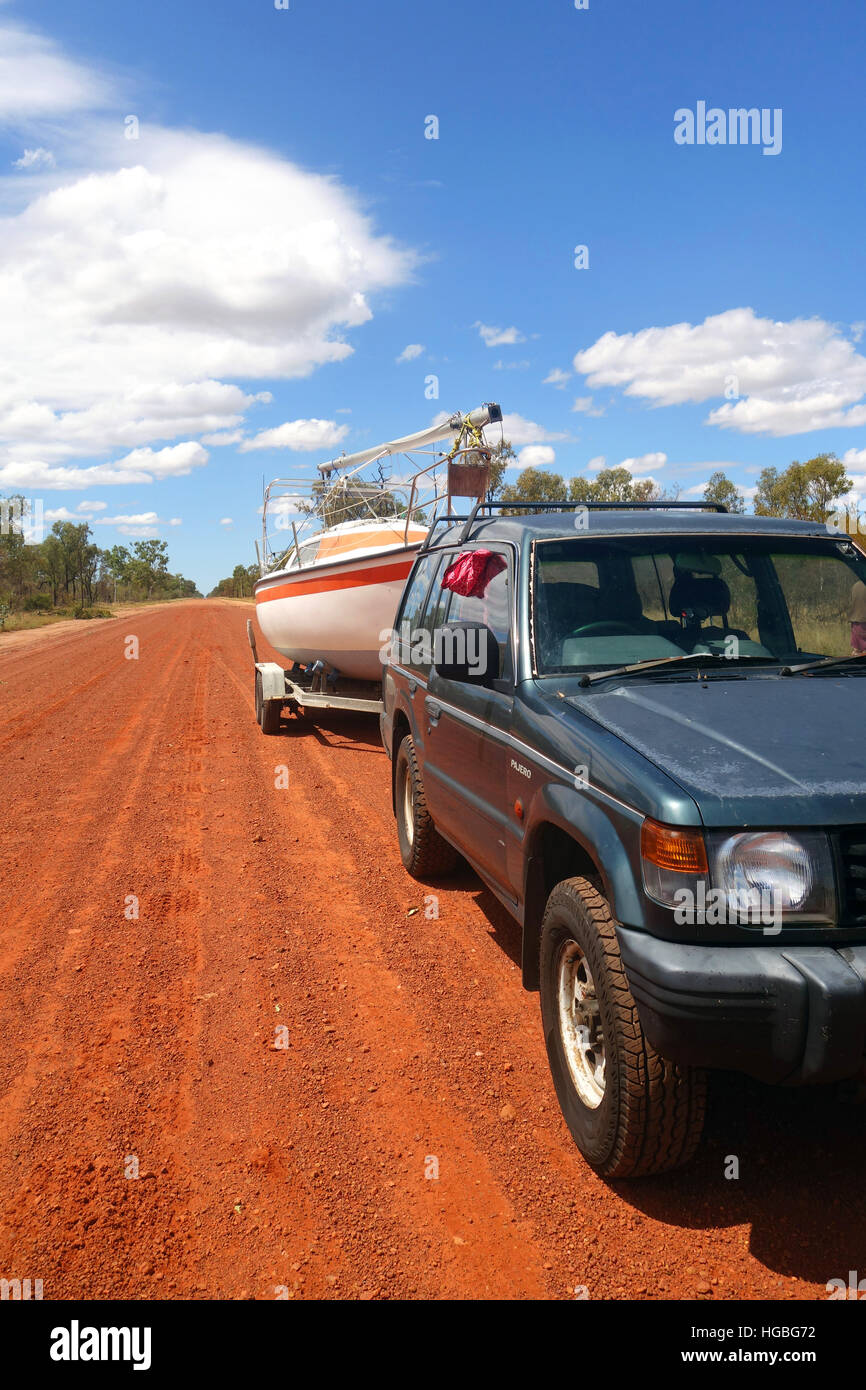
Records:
x=668, y=847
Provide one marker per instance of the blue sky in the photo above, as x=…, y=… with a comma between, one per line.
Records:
x=281, y=230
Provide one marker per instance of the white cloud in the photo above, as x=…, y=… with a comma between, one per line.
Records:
x=38, y=80
x=583, y=406
x=520, y=366
x=176, y=521
x=150, y=413
x=499, y=337
x=286, y=506
x=139, y=519
x=226, y=521
x=644, y=463
x=790, y=377
x=854, y=458
x=299, y=435
x=191, y=263
x=140, y=524
x=557, y=377
x=640, y=466
x=223, y=437
x=139, y=466
x=35, y=159
x=410, y=352
x=88, y=507
x=522, y=431
x=536, y=456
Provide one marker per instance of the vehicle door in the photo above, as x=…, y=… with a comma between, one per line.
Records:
x=467, y=728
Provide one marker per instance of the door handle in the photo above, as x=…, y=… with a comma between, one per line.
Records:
x=434, y=711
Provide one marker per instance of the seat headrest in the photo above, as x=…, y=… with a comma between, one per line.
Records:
x=699, y=597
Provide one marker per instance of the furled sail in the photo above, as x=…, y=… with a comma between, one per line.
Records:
x=487, y=414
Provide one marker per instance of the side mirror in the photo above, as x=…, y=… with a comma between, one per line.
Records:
x=466, y=652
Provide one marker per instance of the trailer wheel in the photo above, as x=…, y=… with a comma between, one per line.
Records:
x=630, y=1111
x=267, y=711
x=423, y=851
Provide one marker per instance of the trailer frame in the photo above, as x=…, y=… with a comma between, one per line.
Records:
x=317, y=686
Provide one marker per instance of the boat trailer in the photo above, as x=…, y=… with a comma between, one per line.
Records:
x=300, y=688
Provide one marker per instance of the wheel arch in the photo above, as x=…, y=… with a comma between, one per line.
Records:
x=554, y=853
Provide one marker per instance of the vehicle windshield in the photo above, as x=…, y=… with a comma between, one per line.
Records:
x=616, y=601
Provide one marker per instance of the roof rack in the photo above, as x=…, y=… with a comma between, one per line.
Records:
x=567, y=506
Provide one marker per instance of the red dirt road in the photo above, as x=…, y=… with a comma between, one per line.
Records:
x=410, y=1039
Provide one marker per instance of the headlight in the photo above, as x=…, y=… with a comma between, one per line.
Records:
x=749, y=878
x=791, y=872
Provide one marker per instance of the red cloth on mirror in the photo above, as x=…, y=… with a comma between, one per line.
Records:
x=472, y=571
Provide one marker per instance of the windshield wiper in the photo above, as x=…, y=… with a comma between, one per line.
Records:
x=825, y=663
x=663, y=663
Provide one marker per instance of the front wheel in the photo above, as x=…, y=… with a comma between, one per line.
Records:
x=423, y=851
x=630, y=1111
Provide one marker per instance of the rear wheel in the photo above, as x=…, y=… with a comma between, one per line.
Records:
x=267, y=711
x=423, y=851
x=630, y=1111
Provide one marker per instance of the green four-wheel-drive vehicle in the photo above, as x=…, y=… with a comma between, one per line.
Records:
x=645, y=728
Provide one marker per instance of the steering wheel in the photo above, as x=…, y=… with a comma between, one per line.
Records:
x=602, y=629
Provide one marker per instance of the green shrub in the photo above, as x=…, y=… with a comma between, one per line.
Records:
x=82, y=612
x=38, y=603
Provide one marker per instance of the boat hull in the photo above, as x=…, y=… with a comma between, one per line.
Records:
x=335, y=612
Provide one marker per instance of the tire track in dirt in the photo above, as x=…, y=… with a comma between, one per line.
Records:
x=403, y=1109
x=94, y=817
x=84, y=811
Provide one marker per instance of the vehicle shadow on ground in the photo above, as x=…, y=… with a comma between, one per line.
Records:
x=337, y=729
x=799, y=1157
x=504, y=930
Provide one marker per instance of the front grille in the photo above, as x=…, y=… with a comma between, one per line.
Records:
x=852, y=861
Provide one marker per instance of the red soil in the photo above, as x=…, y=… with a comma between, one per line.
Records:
x=262, y=1167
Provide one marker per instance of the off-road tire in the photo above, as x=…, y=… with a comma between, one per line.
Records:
x=424, y=852
x=651, y=1115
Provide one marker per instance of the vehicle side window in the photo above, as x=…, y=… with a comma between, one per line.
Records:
x=437, y=606
x=412, y=608
x=433, y=615
x=493, y=608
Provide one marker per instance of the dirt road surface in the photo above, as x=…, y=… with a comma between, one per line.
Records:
x=303, y=1162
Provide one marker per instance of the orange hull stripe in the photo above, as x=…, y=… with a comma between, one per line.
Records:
x=393, y=536
x=358, y=580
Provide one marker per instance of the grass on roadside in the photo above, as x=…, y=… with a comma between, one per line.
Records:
x=23, y=622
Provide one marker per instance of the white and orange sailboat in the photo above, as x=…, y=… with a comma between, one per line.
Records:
x=327, y=595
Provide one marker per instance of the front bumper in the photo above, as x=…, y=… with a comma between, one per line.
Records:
x=793, y=1014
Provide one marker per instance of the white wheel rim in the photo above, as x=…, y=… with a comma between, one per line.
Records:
x=408, y=809
x=580, y=1025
